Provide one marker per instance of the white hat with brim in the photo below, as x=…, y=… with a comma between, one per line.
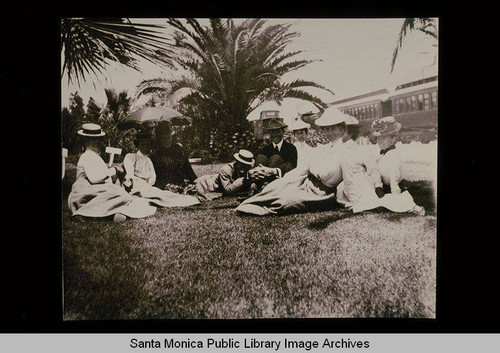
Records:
x=245, y=157
x=331, y=116
x=350, y=120
x=299, y=125
x=91, y=130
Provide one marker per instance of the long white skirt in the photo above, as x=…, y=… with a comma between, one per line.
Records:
x=102, y=200
x=291, y=194
x=159, y=197
x=359, y=194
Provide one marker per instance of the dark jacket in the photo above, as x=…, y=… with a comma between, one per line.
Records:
x=288, y=153
x=172, y=166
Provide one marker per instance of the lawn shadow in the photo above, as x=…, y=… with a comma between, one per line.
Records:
x=324, y=222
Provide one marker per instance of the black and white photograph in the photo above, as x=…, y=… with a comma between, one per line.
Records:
x=249, y=168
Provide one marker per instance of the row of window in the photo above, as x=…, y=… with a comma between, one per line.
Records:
x=413, y=103
x=422, y=101
x=366, y=112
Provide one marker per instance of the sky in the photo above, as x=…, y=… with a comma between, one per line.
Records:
x=355, y=58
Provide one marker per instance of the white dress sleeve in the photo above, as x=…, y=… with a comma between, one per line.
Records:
x=95, y=168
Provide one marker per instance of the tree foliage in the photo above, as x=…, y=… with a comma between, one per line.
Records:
x=90, y=45
x=71, y=120
x=423, y=24
x=227, y=70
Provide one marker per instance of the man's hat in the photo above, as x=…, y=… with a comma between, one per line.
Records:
x=385, y=126
x=91, y=130
x=275, y=124
x=245, y=157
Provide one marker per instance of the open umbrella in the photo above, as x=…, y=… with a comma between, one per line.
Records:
x=154, y=114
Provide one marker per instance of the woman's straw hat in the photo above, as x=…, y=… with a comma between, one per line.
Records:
x=91, y=130
x=350, y=120
x=331, y=116
x=299, y=125
x=385, y=126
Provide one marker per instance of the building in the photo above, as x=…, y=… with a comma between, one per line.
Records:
x=414, y=103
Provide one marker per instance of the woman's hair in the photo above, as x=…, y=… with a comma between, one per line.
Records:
x=162, y=129
x=91, y=141
x=353, y=131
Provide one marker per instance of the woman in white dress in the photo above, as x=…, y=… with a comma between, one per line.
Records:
x=360, y=170
x=140, y=177
x=362, y=184
x=389, y=160
x=312, y=184
x=299, y=137
x=94, y=194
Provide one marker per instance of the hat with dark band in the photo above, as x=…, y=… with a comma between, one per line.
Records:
x=91, y=130
x=245, y=157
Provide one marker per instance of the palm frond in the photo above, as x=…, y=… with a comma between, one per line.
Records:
x=90, y=45
x=424, y=24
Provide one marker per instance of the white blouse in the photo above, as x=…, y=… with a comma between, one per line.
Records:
x=92, y=167
x=359, y=159
x=140, y=166
x=389, y=165
x=325, y=163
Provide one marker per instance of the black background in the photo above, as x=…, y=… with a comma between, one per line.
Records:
x=467, y=294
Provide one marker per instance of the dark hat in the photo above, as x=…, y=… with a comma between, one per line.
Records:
x=142, y=136
x=276, y=124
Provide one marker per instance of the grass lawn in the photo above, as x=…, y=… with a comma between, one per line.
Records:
x=206, y=261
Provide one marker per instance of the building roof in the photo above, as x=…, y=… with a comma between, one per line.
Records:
x=375, y=96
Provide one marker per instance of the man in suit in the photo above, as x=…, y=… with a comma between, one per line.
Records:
x=276, y=158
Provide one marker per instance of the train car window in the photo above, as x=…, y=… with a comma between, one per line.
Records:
x=408, y=104
x=413, y=103
x=434, y=99
x=427, y=103
x=401, y=105
x=420, y=102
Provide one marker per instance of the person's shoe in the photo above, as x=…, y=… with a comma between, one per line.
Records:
x=119, y=217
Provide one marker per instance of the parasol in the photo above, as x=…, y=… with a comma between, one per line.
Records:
x=155, y=114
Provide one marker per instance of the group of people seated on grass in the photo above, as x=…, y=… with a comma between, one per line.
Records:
x=281, y=178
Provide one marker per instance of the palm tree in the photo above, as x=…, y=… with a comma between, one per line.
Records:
x=425, y=25
x=228, y=70
x=231, y=68
x=89, y=45
x=116, y=111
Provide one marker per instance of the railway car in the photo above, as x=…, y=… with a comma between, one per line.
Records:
x=413, y=103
